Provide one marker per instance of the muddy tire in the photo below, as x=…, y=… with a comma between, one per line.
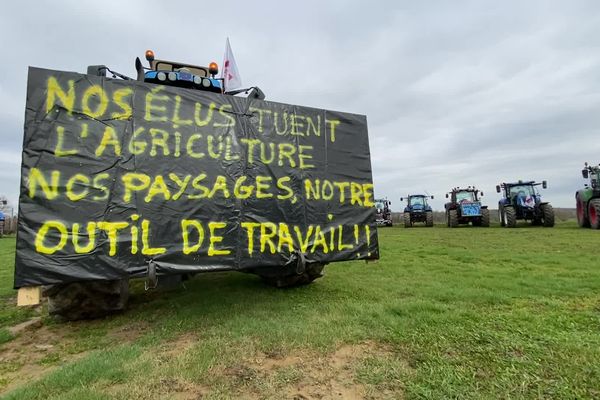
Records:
x=594, y=213
x=582, y=219
x=510, y=217
x=452, y=218
x=548, y=215
x=407, y=223
x=86, y=300
x=485, y=217
x=429, y=218
x=312, y=272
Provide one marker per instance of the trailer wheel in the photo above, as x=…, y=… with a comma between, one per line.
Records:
x=510, y=218
x=452, y=218
x=429, y=218
x=86, y=300
x=485, y=217
x=312, y=272
x=407, y=223
x=594, y=213
x=548, y=213
x=582, y=219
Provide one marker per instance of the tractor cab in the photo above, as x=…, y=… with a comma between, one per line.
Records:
x=523, y=194
x=179, y=74
x=417, y=201
x=588, y=198
x=466, y=195
x=592, y=172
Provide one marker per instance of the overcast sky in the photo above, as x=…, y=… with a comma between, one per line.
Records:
x=455, y=92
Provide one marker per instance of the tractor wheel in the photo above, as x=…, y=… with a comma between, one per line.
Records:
x=485, y=218
x=510, y=218
x=548, y=213
x=452, y=218
x=312, y=272
x=429, y=218
x=501, y=216
x=407, y=223
x=594, y=213
x=582, y=219
x=86, y=300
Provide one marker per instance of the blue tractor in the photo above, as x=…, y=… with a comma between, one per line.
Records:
x=522, y=201
x=417, y=210
x=465, y=206
x=177, y=74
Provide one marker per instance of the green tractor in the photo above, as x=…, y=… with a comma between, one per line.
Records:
x=588, y=198
x=465, y=206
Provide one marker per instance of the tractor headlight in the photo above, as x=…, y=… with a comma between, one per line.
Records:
x=172, y=76
x=197, y=80
x=161, y=76
x=206, y=83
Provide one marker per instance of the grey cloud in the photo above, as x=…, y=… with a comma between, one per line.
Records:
x=468, y=92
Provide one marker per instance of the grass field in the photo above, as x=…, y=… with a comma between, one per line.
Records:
x=446, y=313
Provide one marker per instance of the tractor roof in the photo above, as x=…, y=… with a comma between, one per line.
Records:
x=467, y=189
x=520, y=183
x=381, y=200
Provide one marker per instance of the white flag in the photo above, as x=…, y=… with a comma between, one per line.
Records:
x=230, y=74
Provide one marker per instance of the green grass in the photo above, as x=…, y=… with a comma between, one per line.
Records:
x=9, y=315
x=455, y=313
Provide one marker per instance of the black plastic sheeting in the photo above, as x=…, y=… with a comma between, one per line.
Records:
x=119, y=174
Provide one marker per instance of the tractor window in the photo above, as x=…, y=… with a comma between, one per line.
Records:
x=464, y=196
x=417, y=201
x=522, y=190
x=379, y=205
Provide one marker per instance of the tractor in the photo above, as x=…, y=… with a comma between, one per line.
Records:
x=417, y=210
x=522, y=201
x=177, y=74
x=94, y=298
x=383, y=213
x=588, y=198
x=465, y=207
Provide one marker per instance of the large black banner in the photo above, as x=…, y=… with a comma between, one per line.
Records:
x=117, y=174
